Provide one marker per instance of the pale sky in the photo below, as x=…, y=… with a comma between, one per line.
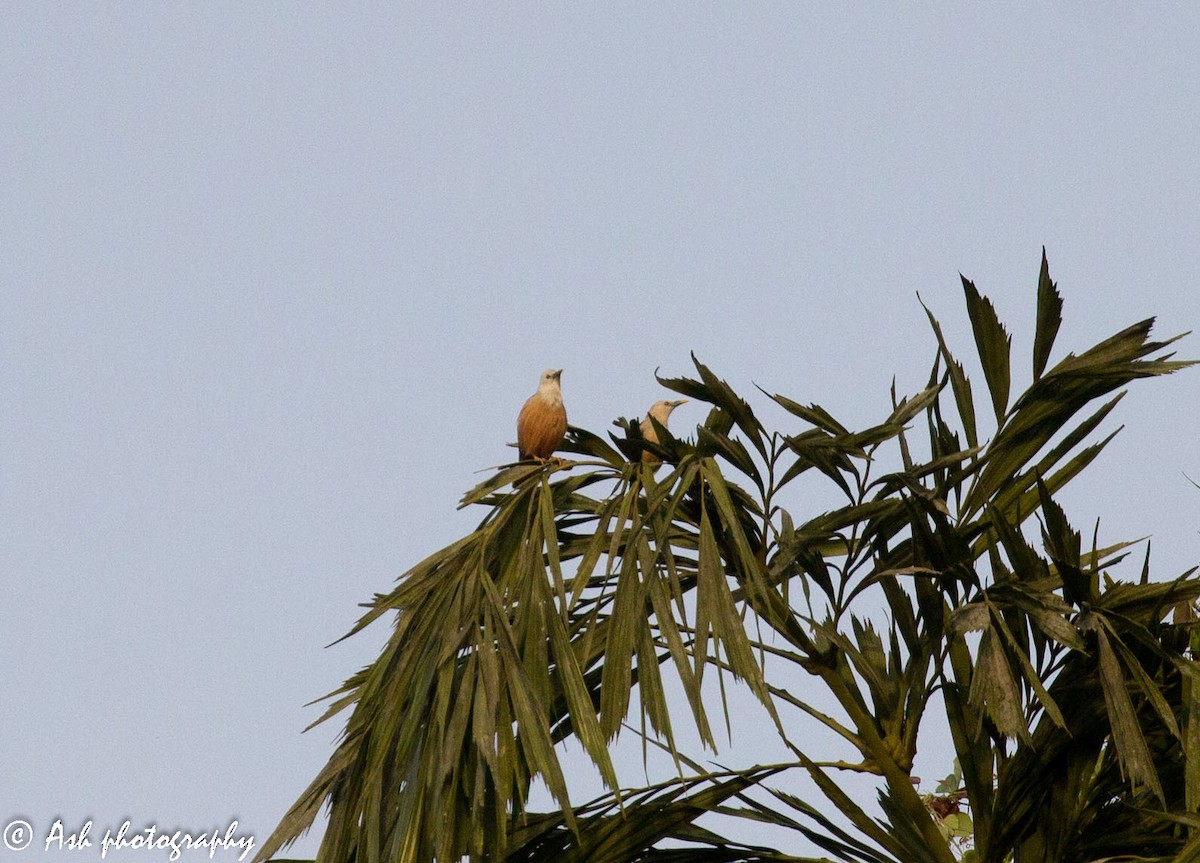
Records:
x=276, y=278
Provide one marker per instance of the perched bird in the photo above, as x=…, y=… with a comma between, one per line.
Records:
x=661, y=411
x=542, y=422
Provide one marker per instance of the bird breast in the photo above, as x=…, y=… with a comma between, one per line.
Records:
x=541, y=425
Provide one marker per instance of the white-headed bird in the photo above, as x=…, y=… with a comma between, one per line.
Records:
x=661, y=411
x=542, y=423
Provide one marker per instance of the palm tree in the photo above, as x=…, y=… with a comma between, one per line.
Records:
x=948, y=588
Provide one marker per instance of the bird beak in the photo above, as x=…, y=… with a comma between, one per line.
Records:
x=678, y=403
x=558, y=374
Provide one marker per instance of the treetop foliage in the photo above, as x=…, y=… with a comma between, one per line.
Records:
x=947, y=588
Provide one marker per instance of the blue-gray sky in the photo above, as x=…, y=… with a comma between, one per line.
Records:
x=275, y=279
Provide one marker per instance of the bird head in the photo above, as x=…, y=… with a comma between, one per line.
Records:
x=548, y=386
x=661, y=409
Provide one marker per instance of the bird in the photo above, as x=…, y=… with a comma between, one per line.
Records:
x=542, y=423
x=661, y=411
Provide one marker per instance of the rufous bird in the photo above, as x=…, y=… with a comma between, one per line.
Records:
x=661, y=411
x=542, y=423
